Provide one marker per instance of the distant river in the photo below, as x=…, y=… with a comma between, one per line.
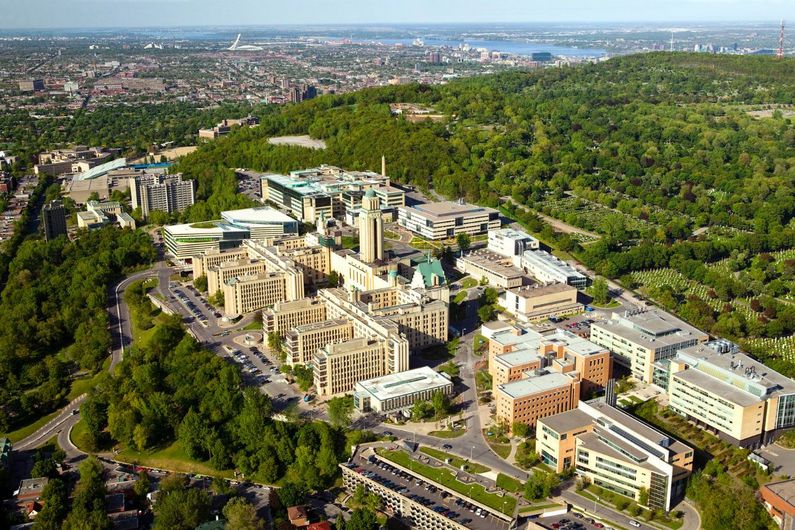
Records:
x=510, y=46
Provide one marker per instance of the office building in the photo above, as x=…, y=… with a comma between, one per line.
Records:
x=536, y=302
x=203, y=262
x=301, y=342
x=510, y=242
x=339, y=366
x=308, y=193
x=638, y=339
x=31, y=85
x=546, y=268
x=399, y=392
x=53, y=218
x=162, y=193
x=390, y=196
x=779, y=501
x=496, y=270
x=730, y=394
x=99, y=214
x=445, y=220
x=225, y=127
x=262, y=222
x=218, y=275
x=617, y=452
x=539, y=394
x=371, y=229
x=286, y=315
x=244, y=294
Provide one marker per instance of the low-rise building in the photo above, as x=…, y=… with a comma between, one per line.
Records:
x=731, y=394
x=286, y=315
x=396, y=392
x=510, y=242
x=497, y=270
x=99, y=214
x=546, y=268
x=541, y=301
x=301, y=342
x=779, y=501
x=339, y=366
x=617, y=452
x=639, y=339
x=539, y=394
x=445, y=220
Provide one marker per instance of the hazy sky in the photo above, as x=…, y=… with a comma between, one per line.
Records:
x=104, y=13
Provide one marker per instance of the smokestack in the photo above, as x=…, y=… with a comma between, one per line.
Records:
x=383, y=166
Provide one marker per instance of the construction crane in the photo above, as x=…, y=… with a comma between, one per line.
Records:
x=780, y=50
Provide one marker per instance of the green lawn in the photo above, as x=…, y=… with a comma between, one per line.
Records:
x=502, y=450
x=84, y=384
x=350, y=242
x=255, y=324
x=509, y=483
x=539, y=507
x=460, y=297
x=479, y=344
x=171, y=458
x=27, y=430
x=389, y=234
x=447, y=434
x=469, y=282
x=505, y=504
x=456, y=462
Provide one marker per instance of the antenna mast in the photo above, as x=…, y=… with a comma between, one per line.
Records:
x=672, y=41
x=780, y=50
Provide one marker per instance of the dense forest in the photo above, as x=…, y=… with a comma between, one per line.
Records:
x=53, y=315
x=656, y=153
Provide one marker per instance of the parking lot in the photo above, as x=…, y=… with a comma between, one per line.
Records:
x=425, y=493
x=571, y=521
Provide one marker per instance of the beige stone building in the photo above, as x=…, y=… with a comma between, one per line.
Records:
x=244, y=294
x=301, y=342
x=286, y=315
x=497, y=270
x=616, y=451
x=218, y=275
x=538, y=302
x=339, y=366
x=203, y=262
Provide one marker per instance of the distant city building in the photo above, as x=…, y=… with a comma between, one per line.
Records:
x=53, y=218
x=6, y=160
x=617, y=452
x=541, y=57
x=226, y=126
x=162, y=193
x=31, y=85
x=445, y=220
x=396, y=392
x=77, y=159
x=639, y=339
x=546, y=268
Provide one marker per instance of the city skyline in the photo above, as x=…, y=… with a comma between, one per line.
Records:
x=159, y=13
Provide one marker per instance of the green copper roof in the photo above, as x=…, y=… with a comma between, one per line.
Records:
x=432, y=268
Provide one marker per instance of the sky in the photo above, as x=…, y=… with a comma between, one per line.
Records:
x=144, y=13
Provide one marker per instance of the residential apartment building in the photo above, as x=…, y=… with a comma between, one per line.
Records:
x=541, y=301
x=509, y=242
x=163, y=193
x=302, y=342
x=244, y=294
x=546, y=268
x=53, y=220
x=639, y=339
x=286, y=315
x=616, y=451
x=396, y=392
x=339, y=366
x=497, y=270
x=445, y=220
x=730, y=394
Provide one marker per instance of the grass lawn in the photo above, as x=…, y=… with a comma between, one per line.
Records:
x=479, y=344
x=455, y=461
x=255, y=324
x=83, y=384
x=469, y=282
x=505, y=504
x=509, y=483
x=448, y=434
x=27, y=430
x=389, y=234
x=171, y=458
x=460, y=297
x=502, y=450
x=538, y=507
x=350, y=242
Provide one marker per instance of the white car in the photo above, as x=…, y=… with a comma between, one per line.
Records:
x=634, y=523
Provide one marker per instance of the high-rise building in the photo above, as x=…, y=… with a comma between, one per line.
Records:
x=371, y=229
x=53, y=217
x=164, y=193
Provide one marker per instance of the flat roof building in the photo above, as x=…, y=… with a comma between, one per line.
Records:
x=535, y=302
x=394, y=392
x=497, y=270
x=639, y=339
x=262, y=222
x=539, y=394
x=445, y=220
x=510, y=242
x=339, y=366
x=779, y=501
x=729, y=393
x=301, y=342
x=616, y=451
x=53, y=218
x=546, y=268
x=162, y=193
